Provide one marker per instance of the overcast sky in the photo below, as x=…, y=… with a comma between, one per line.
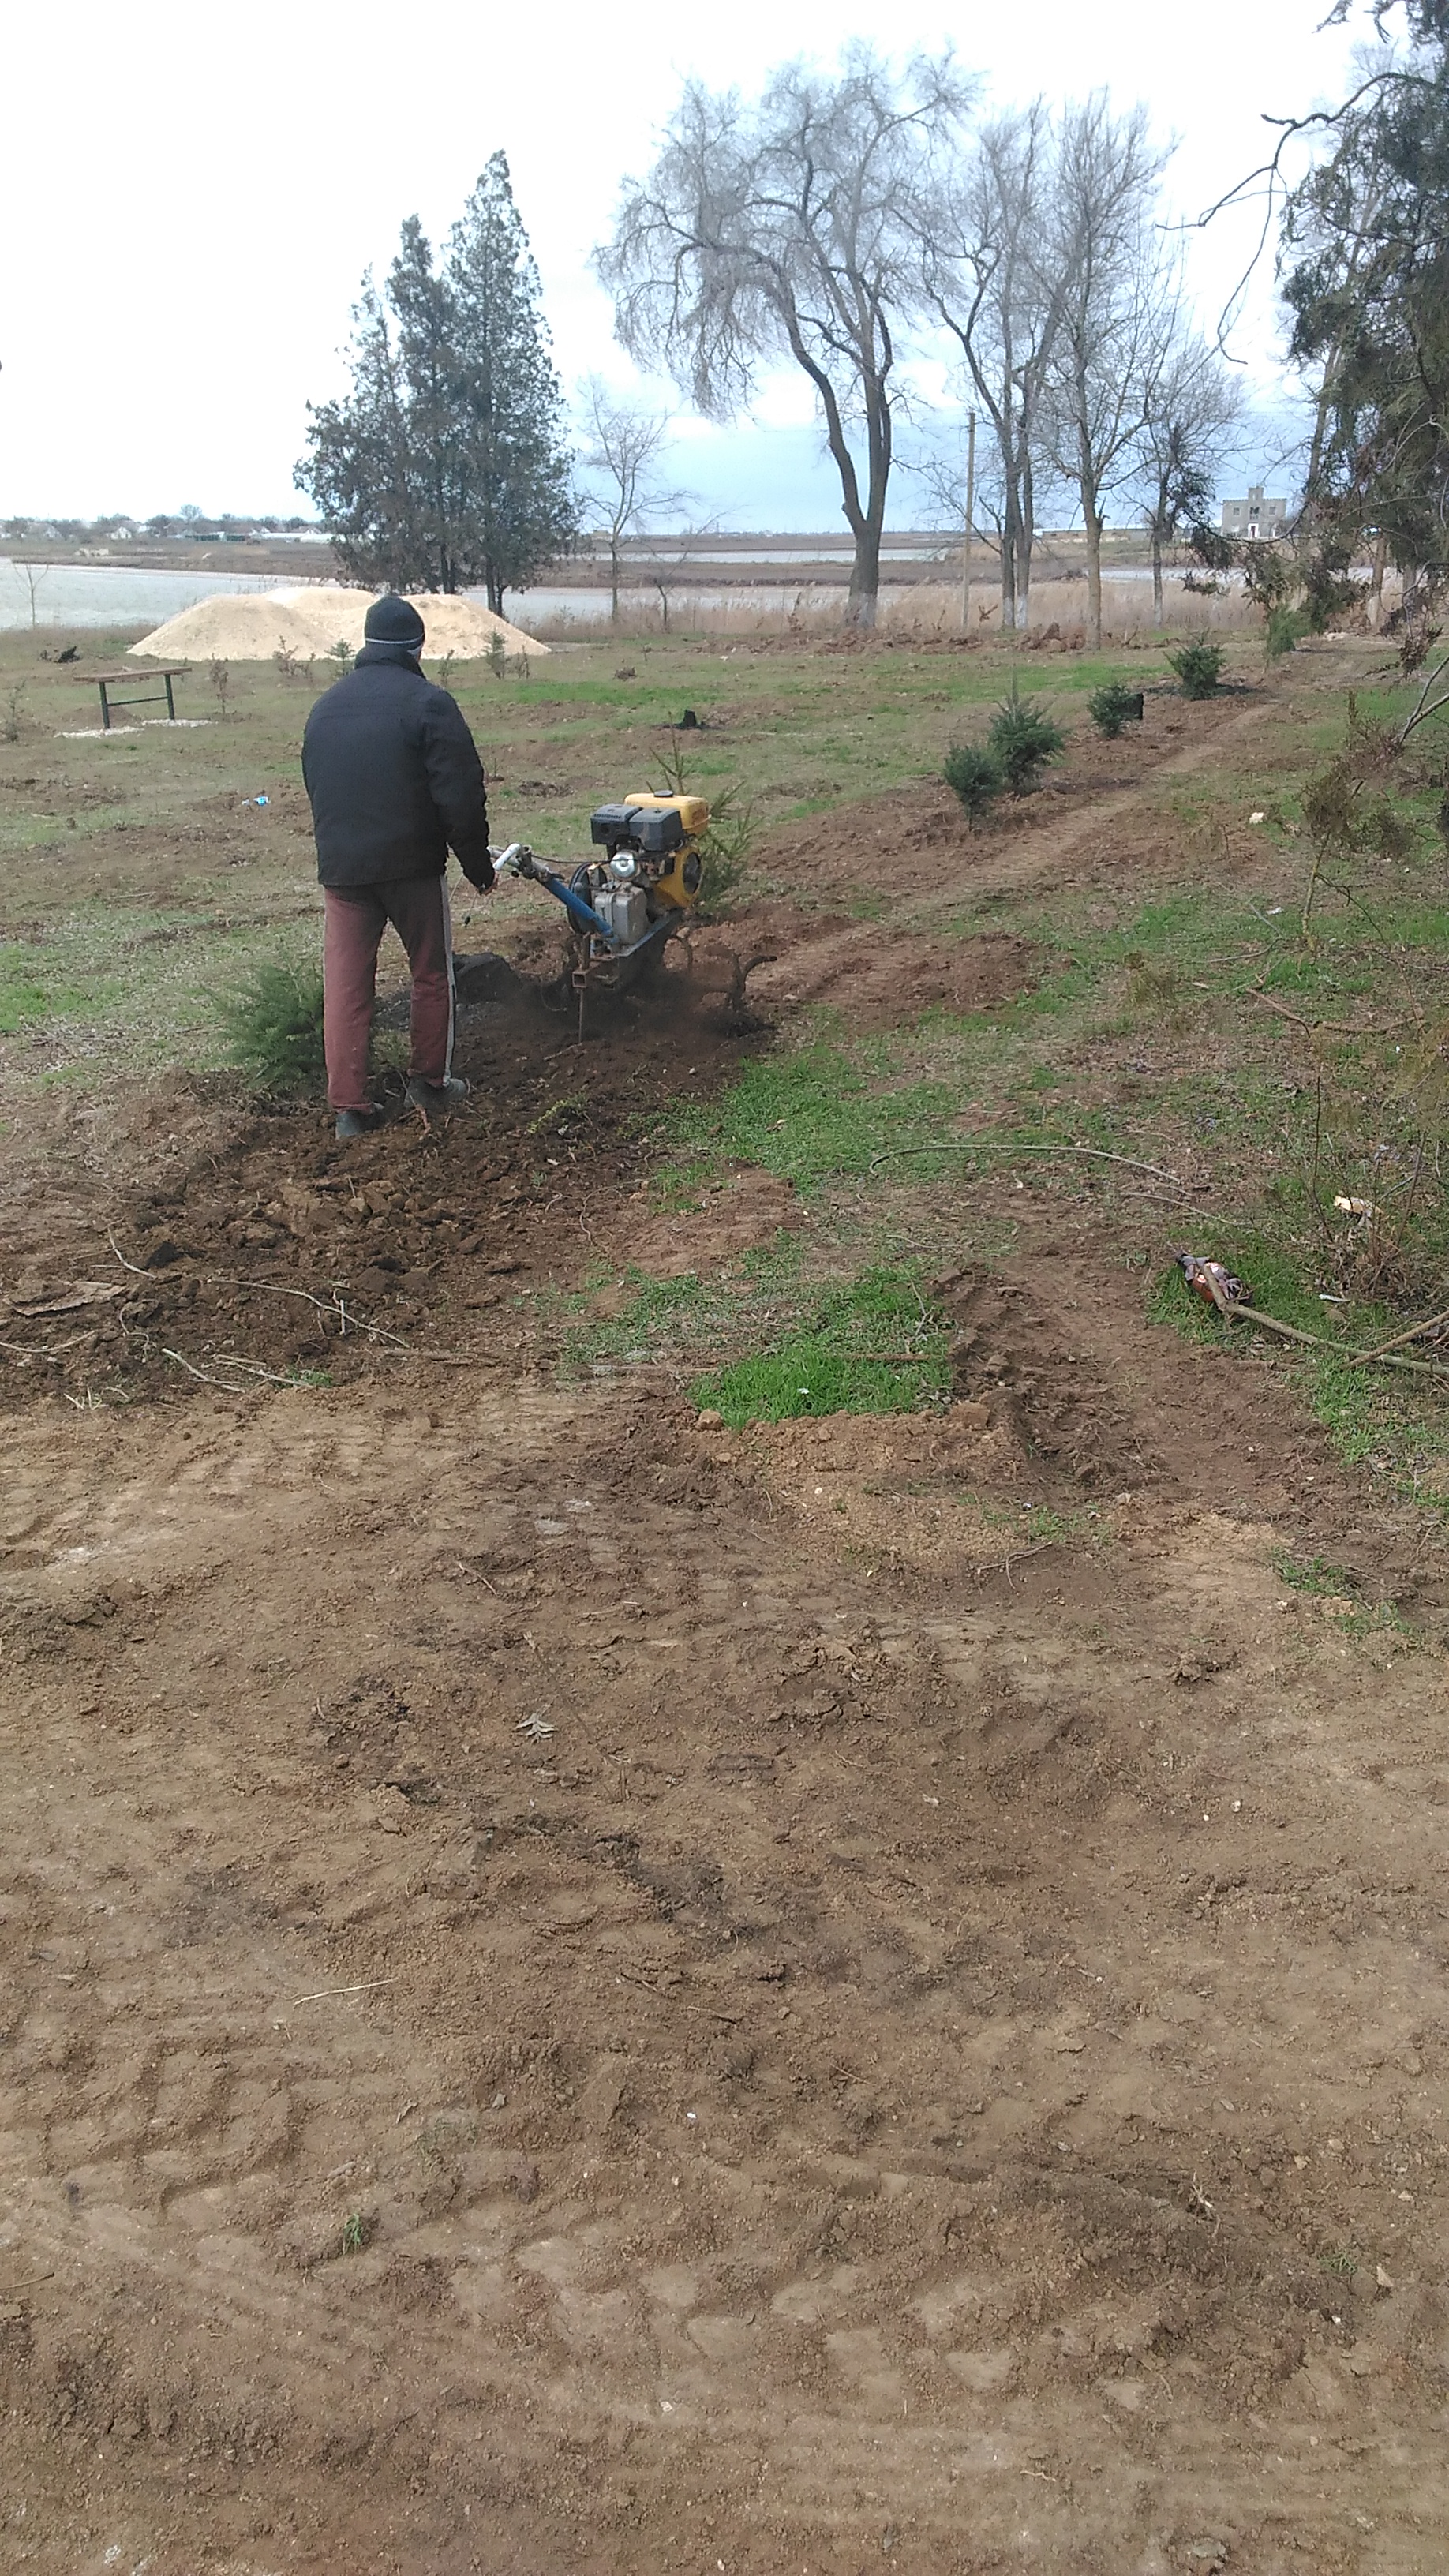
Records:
x=188, y=201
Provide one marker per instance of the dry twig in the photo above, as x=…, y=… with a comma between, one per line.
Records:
x=1386, y=1358
x=1316, y=1028
x=705, y=2012
x=323, y=1993
x=253, y=1368
x=135, y=1270
x=335, y=1305
x=1414, y=1334
x=984, y=1145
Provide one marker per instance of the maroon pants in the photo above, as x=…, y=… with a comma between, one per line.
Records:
x=357, y=916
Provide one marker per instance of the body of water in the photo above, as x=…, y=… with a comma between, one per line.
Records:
x=108, y=594
x=592, y=606
x=770, y=551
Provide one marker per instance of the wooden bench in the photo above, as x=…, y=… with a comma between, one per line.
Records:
x=105, y=681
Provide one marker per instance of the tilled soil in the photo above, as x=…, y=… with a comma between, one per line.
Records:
x=588, y=1992
x=213, y=1242
x=1081, y=828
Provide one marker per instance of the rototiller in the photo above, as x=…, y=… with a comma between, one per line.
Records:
x=625, y=906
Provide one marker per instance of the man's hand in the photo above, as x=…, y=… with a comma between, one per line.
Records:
x=484, y=884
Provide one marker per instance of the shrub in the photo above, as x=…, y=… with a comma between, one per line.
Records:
x=1286, y=630
x=974, y=777
x=1198, y=667
x=728, y=839
x=1024, y=739
x=1113, y=706
x=274, y=1025
x=729, y=835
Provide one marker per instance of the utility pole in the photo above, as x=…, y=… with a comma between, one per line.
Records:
x=970, y=516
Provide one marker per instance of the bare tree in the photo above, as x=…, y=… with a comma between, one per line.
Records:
x=620, y=467
x=1118, y=310
x=1192, y=409
x=668, y=572
x=784, y=229
x=33, y=575
x=984, y=236
x=961, y=500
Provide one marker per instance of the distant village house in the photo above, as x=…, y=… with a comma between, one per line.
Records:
x=1255, y=517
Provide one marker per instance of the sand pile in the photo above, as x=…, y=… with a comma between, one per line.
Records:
x=309, y=618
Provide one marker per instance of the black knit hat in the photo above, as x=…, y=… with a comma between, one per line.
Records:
x=394, y=620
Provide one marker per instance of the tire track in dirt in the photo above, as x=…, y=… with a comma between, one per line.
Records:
x=906, y=2026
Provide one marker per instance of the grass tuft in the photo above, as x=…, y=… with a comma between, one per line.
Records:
x=1313, y=1574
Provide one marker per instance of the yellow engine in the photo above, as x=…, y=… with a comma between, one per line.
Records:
x=653, y=842
x=680, y=881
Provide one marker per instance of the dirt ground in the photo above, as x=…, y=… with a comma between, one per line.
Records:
x=588, y=1992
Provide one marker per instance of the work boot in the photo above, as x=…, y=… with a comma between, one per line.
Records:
x=357, y=1122
x=435, y=1099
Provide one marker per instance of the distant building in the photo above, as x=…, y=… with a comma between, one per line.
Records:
x=1255, y=517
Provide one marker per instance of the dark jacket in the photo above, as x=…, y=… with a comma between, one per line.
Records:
x=394, y=776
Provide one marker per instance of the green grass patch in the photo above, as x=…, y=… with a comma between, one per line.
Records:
x=873, y=1346
x=808, y=1117
x=658, y=1313
x=783, y=1345
x=683, y=1318
x=50, y=831
x=1378, y=1619
x=34, y=987
x=1313, y=1574
x=1324, y=1581
x=147, y=987
x=1040, y=1524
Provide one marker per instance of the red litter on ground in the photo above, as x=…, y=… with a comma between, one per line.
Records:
x=1211, y=1281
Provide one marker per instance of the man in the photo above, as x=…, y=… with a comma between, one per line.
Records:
x=394, y=778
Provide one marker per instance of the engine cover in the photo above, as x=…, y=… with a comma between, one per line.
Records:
x=653, y=831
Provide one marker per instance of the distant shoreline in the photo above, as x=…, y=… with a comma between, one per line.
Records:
x=812, y=557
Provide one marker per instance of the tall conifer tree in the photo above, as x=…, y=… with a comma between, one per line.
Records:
x=518, y=462
x=444, y=464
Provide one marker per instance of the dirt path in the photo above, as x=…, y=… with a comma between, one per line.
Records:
x=936, y=2057
x=914, y=851
x=584, y=1992
x=1043, y=850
